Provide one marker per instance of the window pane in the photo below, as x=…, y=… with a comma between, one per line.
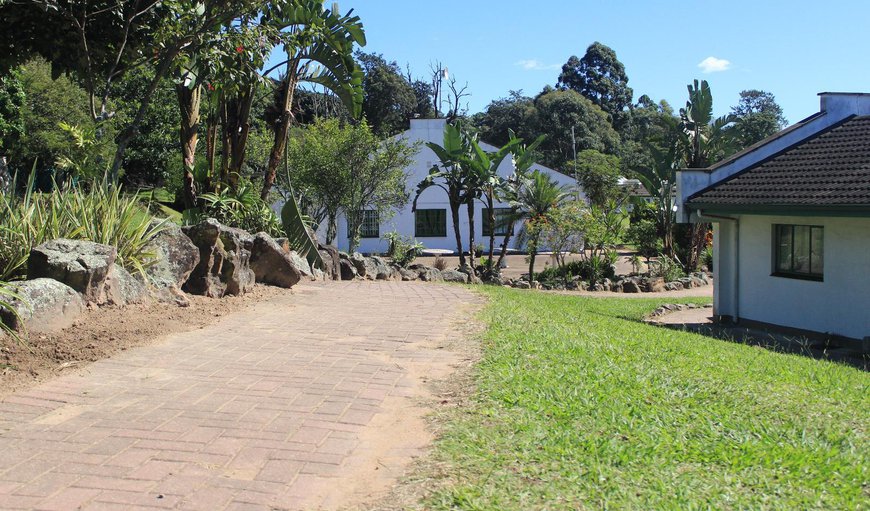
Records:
x=801, y=249
x=502, y=221
x=783, y=247
x=486, y=231
x=431, y=223
x=817, y=257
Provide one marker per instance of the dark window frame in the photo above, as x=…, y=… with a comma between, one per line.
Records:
x=367, y=234
x=778, y=243
x=484, y=214
x=440, y=233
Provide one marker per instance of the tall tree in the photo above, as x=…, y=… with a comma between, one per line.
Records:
x=389, y=98
x=557, y=112
x=757, y=116
x=598, y=174
x=601, y=78
x=539, y=194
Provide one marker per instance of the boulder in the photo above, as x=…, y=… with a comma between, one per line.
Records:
x=347, y=269
x=378, y=269
x=122, y=288
x=331, y=259
x=45, y=305
x=224, y=260
x=454, y=276
x=426, y=273
x=630, y=286
x=522, y=284
x=82, y=265
x=301, y=264
x=654, y=285
x=408, y=275
x=175, y=258
x=271, y=264
x=359, y=262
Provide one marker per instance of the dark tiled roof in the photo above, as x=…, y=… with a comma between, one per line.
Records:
x=828, y=169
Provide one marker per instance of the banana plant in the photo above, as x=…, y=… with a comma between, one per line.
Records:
x=319, y=46
x=297, y=232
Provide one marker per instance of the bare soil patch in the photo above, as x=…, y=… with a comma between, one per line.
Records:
x=104, y=331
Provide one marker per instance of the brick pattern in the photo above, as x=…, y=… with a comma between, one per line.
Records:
x=266, y=409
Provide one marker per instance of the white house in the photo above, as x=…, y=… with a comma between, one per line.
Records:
x=791, y=219
x=431, y=224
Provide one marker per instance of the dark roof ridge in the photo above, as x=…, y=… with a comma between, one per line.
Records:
x=779, y=134
x=777, y=154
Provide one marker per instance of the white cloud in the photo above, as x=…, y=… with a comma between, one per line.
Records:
x=535, y=65
x=714, y=65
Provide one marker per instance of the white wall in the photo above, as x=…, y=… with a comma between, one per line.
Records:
x=422, y=131
x=840, y=304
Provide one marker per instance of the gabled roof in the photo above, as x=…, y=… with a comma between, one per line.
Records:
x=830, y=170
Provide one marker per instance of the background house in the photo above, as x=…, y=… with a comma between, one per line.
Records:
x=432, y=223
x=791, y=217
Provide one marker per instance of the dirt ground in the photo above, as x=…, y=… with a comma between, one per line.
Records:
x=104, y=331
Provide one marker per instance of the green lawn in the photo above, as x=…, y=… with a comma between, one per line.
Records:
x=580, y=406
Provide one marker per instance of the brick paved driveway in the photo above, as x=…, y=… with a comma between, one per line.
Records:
x=309, y=401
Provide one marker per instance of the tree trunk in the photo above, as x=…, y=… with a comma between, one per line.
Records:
x=454, y=210
x=533, y=251
x=504, y=245
x=491, y=213
x=331, y=229
x=281, y=129
x=471, y=249
x=189, y=102
x=238, y=126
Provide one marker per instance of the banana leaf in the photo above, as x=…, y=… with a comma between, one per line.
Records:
x=297, y=232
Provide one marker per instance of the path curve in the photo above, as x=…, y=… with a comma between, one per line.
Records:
x=309, y=401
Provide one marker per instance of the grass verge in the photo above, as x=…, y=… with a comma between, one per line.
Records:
x=581, y=406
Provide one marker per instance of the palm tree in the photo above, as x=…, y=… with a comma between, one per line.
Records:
x=659, y=180
x=319, y=46
x=450, y=175
x=509, y=189
x=538, y=195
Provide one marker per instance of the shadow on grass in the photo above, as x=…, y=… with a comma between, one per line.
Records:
x=817, y=348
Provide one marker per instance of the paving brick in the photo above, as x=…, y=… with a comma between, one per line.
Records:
x=265, y=409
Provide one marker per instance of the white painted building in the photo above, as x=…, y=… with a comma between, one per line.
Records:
x=432, y=223
x=791, y=219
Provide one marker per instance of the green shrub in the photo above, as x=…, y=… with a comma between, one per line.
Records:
x=643, y=234
x=239, y=207
x=591, y=270
x=667, y=268
x=403, y=249
x=707, y=258
x=101, y=213
x=6, y=296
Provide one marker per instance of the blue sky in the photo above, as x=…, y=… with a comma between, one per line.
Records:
x=793, y=49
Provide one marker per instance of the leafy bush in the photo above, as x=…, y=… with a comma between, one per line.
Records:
x=667, y=268
x=591, y=270
x=239, y=207
x=6, y=295
x=403, y=249
x=643, y=234
x=101, y=213
x=708, y=258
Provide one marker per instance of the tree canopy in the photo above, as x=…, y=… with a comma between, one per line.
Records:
x=600, y=77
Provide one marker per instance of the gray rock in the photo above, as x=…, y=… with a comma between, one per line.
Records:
x=175, y=258
x=224, y=260
x=301, y=264
x=522, y=284
x=122, y=288
x=318, y=274
x=82, y=265
x=654, y=285
x=408, y=275
x=46, y=305
x=348, y=270
x=331, y=259
x=378, y=269
x=454, y=276
x=630, y=286
x=359, y=262
x=271, y=264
